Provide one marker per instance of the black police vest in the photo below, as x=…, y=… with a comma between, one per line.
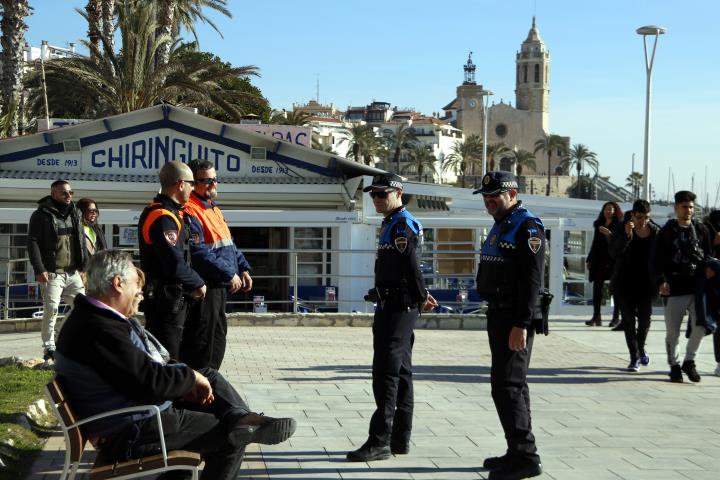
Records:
x=399, y=233
x=497, y=274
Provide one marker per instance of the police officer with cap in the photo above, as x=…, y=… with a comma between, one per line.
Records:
x=509, y=278
x=400, y=295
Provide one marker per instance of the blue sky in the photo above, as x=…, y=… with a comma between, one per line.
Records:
x=410, y=53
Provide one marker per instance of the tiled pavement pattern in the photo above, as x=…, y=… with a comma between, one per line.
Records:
x=593, y=420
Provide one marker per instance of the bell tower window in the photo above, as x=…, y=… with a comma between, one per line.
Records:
x=537, y=73
x=524, y=73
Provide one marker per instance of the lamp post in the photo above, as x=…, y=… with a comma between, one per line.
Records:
x=485, y=97
x=655, y=31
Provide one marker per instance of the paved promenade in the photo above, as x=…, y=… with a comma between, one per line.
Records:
x=593, y=420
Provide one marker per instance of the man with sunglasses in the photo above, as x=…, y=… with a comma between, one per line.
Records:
x=163, y=235
x=510, y=276
x=400, y=295
x=56, y=247
x=223, y=267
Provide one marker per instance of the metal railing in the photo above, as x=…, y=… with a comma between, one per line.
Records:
x=354, y=284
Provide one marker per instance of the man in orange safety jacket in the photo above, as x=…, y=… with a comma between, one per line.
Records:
x=223, y=267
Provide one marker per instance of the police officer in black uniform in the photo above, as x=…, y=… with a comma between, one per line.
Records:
x=400, y=294
x=509, y=278
x=163, y=236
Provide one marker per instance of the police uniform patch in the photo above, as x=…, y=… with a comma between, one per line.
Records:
x=171, y=237
x=487, y=179
x=534, y=243
x=401, y=244
x=195, y=238
x=491, y=240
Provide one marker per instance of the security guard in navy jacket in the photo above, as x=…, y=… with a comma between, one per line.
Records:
x=400, y=294
x=509, y=278
x=165, y=258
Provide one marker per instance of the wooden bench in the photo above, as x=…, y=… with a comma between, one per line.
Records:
x=75, y=444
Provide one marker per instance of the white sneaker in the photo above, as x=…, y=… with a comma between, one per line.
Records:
x=717, y=370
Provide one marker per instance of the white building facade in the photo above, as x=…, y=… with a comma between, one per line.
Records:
x=299, y=214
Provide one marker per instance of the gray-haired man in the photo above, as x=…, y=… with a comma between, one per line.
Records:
x=105, y=361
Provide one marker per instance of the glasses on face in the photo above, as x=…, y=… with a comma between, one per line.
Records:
x=381, y=195
x=191, y=182
x=93, y=210
x=207, y=181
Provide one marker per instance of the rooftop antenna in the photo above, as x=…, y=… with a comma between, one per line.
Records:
x=317, y=87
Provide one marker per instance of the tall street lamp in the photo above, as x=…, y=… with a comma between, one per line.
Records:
x=655, y=31
x=486, y=94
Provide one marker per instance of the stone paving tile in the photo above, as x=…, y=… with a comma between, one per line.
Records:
x=592, y=419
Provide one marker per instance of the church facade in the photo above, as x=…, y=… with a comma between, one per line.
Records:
x=518, y=127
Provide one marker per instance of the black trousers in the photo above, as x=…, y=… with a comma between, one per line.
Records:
x=716, y=344
x=205, y=334
x=508, y=382
x=636, y=310
x=393, y=340
x=202, y=429
x=165, y=325
x=598, y=300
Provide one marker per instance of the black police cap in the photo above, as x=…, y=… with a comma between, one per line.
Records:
x=385, y=180
x=497, y=182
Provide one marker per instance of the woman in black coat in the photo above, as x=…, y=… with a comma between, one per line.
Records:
x=598, y=261
x=712, y=222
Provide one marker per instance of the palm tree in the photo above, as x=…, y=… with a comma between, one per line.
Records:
x=93, y=13
x=108, y=21
x=364, y=145
x=130, y=80
x=548, y=144
x=290, y=118
x=398, y=141
x=634, y=181
x=13, y=29
x=464, y=156
x=493, y=151
x=580, y=156
x=521, y=159
x=171, y=14
x=421, y=160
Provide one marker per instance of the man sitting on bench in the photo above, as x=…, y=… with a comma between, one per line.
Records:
x=105, y=360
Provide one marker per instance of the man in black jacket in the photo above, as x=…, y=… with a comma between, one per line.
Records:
x=163, y=236
x=631, y=250
x=106, y=361
x=682, y=246
x=57, y=252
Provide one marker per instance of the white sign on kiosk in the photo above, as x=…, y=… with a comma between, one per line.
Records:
x=259, y=305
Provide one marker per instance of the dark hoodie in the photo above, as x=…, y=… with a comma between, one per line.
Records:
x=633, y=257
x=43, y=235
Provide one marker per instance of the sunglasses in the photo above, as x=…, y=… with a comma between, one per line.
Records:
x=207, y=181
x=382, y=195
x=191, y=182
x=92, y=210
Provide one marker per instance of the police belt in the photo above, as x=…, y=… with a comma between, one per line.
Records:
x=501, y=303
x=390, y=292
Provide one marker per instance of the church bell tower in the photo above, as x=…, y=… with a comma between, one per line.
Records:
x=532, y=81
x=469, y=97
